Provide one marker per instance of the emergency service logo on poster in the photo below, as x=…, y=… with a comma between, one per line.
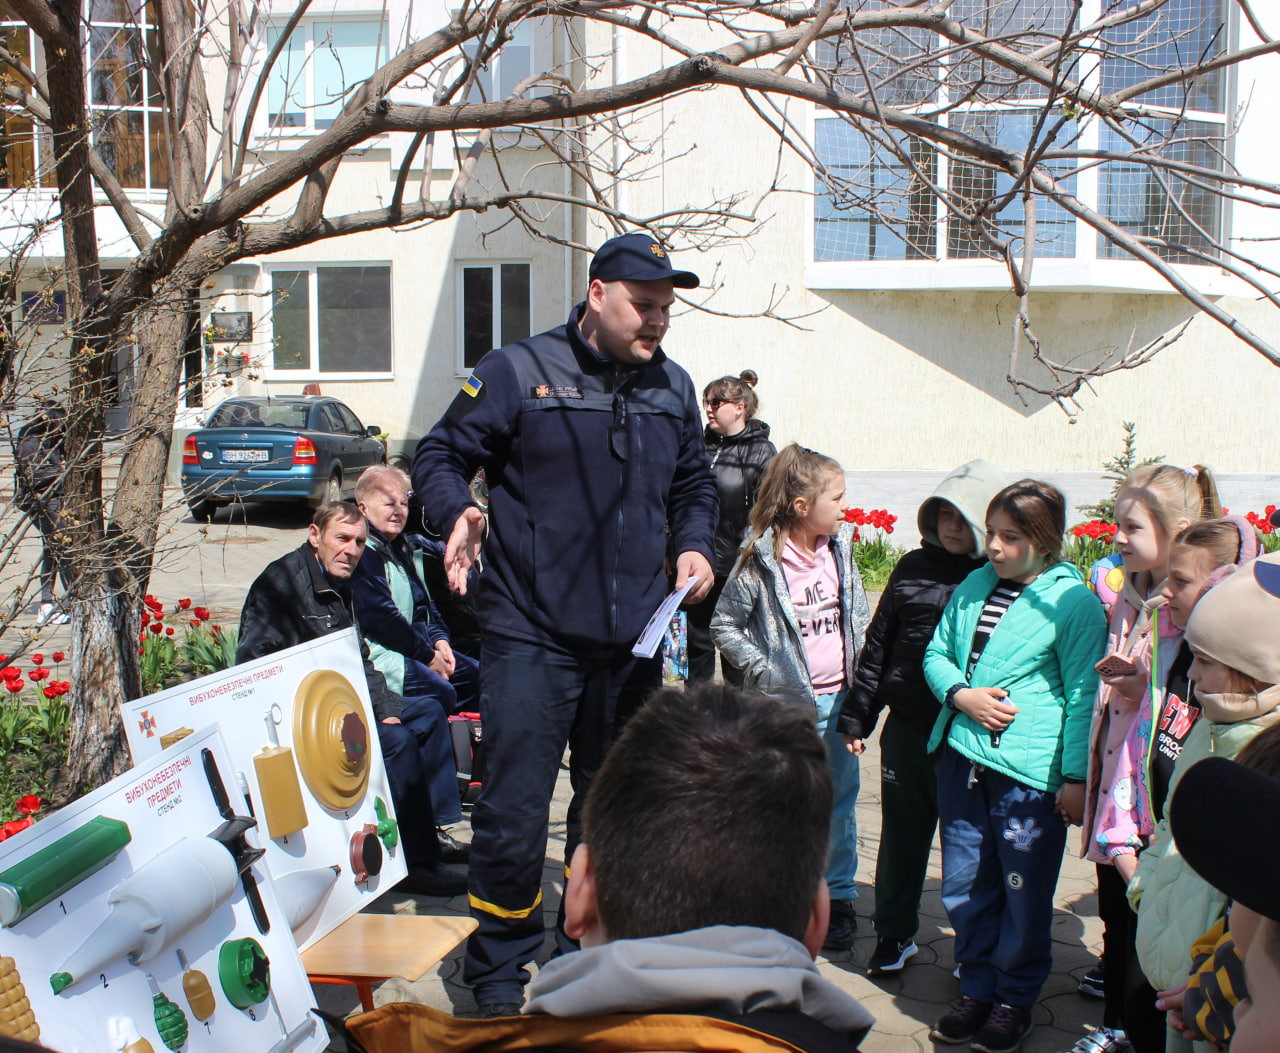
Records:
x=300, y=729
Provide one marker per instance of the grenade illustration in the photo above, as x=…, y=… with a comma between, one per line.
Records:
x=171, y=1021
x=17, y=1019
x=196, y=986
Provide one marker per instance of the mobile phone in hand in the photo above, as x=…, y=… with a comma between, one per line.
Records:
x=1116, y=665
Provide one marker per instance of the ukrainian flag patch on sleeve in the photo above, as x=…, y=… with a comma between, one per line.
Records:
x=469, y=396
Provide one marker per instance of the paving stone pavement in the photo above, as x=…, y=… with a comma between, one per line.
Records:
x=905, y=1005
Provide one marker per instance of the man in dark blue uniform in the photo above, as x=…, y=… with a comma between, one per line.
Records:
x=591, y=442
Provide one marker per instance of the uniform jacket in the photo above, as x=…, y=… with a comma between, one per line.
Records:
x=586, y=462
x=756, y=628
x=1176, y=905
x=1043, y=653
x=396, y=615
x=1120, y=822
x=739, y=462
x=719, y=988
x=293, y=601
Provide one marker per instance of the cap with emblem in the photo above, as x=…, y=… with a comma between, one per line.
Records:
x=637, y=258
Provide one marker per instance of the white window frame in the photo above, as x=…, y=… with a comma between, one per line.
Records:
x=311, y=29
x=461, y=369
x=314, y=373
x=1084, y=271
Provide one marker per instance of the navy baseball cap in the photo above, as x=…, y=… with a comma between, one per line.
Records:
x=637, y=258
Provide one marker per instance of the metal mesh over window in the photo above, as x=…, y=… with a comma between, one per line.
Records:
x=874, y=207
x=1178, y=211
x=1177, y=35
x=1055, y=227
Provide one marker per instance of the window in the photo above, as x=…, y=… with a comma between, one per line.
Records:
x=23, y=160
x=874, y=202
x=495, y=308
x=125, y=96
x=505, y=70
x=318, y=68
x=331, y=320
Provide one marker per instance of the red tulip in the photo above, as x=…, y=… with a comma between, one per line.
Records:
x=155, y=627
x=168, y=630
x=38, y=659
x=28, y=804
x=9, y=829
x=184, y=605
x=58, y=656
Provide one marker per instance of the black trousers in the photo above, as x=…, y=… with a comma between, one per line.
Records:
x=908, y=820
x=1130, y=999
x=702, y=652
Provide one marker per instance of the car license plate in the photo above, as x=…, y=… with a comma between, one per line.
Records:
x=245, y=456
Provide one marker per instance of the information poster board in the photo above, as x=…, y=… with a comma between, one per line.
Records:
x=321, y=795
x=141, y=917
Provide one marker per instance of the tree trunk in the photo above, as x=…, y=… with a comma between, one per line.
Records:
x=139, y=498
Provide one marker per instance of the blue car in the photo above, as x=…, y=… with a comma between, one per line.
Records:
x=277, y=448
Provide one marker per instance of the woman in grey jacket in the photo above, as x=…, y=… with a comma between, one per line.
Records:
x=793, y=617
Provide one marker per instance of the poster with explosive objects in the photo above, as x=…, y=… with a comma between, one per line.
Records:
x=141, y=917
x=300, y=729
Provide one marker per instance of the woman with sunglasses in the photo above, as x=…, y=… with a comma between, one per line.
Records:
x=740, y=452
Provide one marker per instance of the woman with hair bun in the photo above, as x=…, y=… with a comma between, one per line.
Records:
x=740, y=452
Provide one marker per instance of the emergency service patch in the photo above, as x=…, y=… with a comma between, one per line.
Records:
x=557, y=391
x=472, y=393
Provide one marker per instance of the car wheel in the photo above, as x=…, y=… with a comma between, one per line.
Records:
x=400, y=461
x=203, y=511
x=333, y=492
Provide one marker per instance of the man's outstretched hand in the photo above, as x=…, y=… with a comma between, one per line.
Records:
x=463, y=548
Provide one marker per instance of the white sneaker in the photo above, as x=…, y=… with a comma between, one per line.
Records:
x=1101, y=1040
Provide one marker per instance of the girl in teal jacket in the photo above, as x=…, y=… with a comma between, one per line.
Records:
x=1012, y=661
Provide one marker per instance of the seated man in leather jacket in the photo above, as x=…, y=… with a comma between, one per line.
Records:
x=305, y=595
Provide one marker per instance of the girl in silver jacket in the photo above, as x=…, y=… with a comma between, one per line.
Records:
x=792, y=617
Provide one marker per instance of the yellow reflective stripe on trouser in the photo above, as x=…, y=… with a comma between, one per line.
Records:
x=503, y=912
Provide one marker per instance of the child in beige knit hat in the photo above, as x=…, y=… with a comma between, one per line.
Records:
x=1236, y=672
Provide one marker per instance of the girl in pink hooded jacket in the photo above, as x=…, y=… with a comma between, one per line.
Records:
x=1153, y=504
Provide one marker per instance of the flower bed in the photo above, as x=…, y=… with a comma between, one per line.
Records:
x=874, y=553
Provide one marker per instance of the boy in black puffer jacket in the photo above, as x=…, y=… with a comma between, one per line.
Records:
x=952, y=526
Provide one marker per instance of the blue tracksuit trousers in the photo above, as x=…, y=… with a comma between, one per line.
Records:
x=1001, y=852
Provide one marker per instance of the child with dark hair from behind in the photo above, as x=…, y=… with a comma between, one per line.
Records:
x=1012, y=660
x=953, y=545
x=1234, y=996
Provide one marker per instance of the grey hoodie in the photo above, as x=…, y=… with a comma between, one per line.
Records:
x=723, y=969
x=970, y=488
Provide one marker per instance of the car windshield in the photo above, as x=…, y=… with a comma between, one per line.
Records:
x=261, y=414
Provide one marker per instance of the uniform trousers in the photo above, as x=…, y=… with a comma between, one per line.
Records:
x=535, y=699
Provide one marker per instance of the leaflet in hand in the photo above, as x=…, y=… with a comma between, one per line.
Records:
x=651, y=639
